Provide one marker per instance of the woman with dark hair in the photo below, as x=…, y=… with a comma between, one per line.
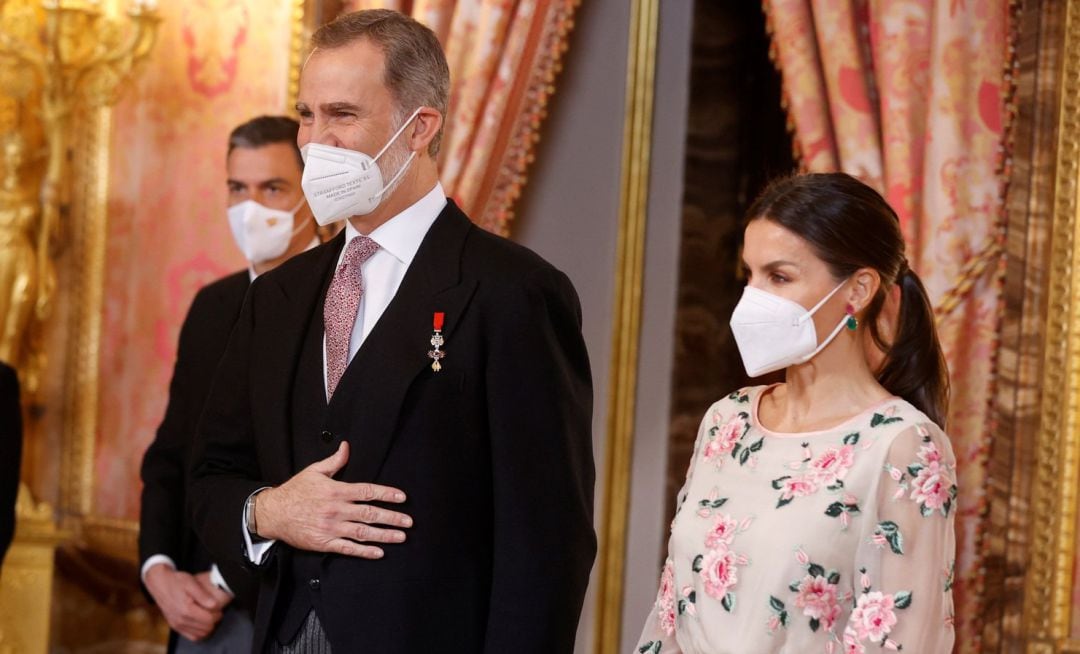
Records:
x=817, y=514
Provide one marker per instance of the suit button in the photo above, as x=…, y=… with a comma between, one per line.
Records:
x=313, y=583
x=326, y=436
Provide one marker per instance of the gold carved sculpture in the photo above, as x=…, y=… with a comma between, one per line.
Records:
x=60, y=58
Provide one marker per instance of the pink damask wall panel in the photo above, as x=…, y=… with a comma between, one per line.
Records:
x=216, y=64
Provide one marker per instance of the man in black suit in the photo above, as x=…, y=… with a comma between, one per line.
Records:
x=10, y=453
x=264, y=170
x=415, y=374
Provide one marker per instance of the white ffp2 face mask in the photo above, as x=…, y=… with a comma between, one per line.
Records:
x=260, y=232
x=340, y=183
x=774, y=332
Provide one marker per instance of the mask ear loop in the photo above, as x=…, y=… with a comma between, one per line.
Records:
x=408, y=162
x=810, y=314
x=825, y=343
x=397, y=134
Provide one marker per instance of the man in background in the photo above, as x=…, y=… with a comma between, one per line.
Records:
x=209, y=606
x=10, y=453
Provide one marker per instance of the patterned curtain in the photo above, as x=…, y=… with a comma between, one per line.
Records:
x=503, y=56
x=911, y=96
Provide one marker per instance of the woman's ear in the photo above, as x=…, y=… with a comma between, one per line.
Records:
x=865, y=284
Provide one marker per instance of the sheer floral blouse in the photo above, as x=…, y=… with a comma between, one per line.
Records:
x=831, y=541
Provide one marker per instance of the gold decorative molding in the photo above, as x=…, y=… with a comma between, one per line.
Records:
x=298, y=50
x=88, y=234
x=629, y=273
x=1047, y=593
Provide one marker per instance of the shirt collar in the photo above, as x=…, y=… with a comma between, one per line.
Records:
x=401, y=235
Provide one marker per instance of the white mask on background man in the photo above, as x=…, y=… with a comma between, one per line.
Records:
x=340, y=183
x=773, y=332
x=262, y=233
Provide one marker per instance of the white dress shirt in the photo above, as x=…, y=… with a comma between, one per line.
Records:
x=399, y=238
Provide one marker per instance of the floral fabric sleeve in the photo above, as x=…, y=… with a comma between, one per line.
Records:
x=904, y=568
x=658, y=634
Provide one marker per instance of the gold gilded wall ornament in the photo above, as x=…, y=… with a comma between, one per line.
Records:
x=59, y=59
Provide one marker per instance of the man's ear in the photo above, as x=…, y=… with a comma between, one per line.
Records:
x=425, y=126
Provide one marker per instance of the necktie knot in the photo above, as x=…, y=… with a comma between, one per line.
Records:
x=358, y=251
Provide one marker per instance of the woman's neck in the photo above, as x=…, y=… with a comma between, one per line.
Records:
x=827, y=390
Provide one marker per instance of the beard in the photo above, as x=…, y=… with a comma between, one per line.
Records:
x=392, y=162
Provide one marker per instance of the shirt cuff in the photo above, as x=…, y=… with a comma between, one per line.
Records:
x=152, y=561
x=255, y=548
x=219, y=581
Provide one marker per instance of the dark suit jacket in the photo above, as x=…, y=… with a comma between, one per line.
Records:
x=494, y=452
x=10, y=453
x=164, y=523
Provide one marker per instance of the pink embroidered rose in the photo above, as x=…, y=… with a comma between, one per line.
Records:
x=929, y=453
x=798, y=487
x=852, y=645
x=665, y=599
x=833, y=464
x=873, y=617
x=931, y=486
x=817, y=598
x=666, y=617
x=722, y=532
x=719, y=571
x=723, y=441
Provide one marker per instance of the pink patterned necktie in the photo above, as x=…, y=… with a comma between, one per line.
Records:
x=339, y=311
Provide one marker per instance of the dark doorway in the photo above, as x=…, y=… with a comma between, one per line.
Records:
x=737, y=140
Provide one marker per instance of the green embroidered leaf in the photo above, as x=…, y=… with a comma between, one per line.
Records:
x=712, y=431
x=839, y=485
x=816, y=570
x=880, y=419
x=914, y=469
x=682, y=606
x=778, y=483
x=728, y=602
x=925, y=511
x=794, y=587
x=834, y=577
x=852, y=508
x=692, y=597
x=783, y=501
x=716, y=504
x=743, y=399
x=946, y=506
x=744, y=456
x=775, y=603
x=758, y=444
x=815, y=624
x=696, y=567
x=834, y=510
x=735, y=450
x=651, y=647
x=902, y=600
x=783, y=618
x=851, y=439
x=891, y=531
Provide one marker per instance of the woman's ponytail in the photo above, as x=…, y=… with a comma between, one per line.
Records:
x=914, y=366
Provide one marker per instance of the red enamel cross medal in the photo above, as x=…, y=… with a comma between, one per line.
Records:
x=436, y=354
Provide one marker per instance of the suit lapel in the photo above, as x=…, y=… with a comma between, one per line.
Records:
x=395, y=352
x=301, y=293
